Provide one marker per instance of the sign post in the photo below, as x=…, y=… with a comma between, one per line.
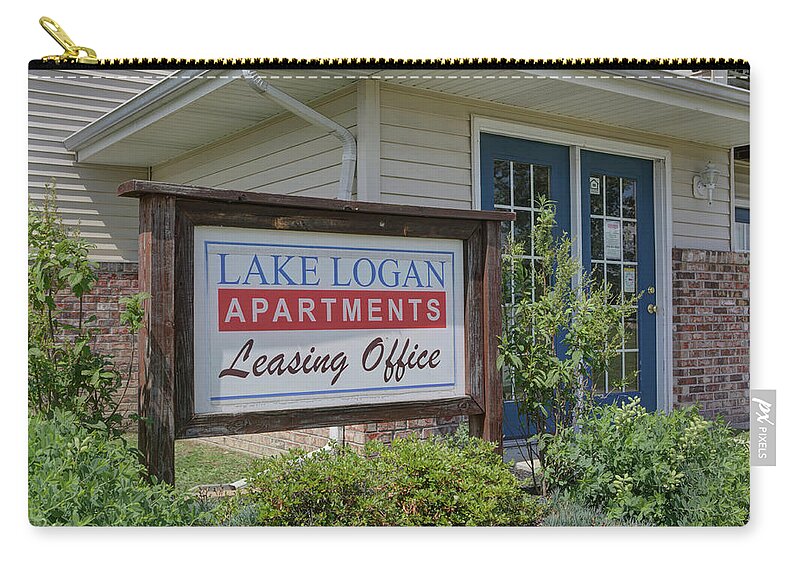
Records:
x=271, y=312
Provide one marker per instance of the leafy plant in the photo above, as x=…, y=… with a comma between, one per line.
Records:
x=79, y=476
x=64, y=371
x=439, y=481
x=58, y=260
x=673, y=469
x=132, y=317
x=562, y=329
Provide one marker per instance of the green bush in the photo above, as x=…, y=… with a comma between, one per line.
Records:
x=673, y=469
x=413, y=482
x=79, y=476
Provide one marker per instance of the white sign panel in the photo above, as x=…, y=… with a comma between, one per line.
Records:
x=613, y=239
x=289, y=320
x=629, y=280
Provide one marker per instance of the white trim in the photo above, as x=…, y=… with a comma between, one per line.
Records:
x=518, y=130
x=368, y=165
x=662, y=204
x=475, y=147
x=732, y=202
x=662, y=216
x=575, y=200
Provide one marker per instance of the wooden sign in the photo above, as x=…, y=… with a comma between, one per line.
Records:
x=271, y=312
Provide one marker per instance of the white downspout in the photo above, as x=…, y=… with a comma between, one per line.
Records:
x=349, y=152
x=349, y=149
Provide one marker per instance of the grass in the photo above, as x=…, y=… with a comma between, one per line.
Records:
x=198, y=463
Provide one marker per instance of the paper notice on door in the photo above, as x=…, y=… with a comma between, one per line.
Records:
x=613, y=239
x=629, y=280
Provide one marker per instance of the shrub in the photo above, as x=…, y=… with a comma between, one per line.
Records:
x=79, y=476
x=673, y=469
x=439, y=481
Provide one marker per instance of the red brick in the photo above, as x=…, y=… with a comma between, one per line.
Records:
x=711, y=331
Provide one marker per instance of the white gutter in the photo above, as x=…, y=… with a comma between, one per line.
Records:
x=695, y=85
x=349, y=149
x=660, y=86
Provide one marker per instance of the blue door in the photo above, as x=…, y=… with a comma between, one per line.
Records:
x=515, y=175
x=617, y=242
x=619, y=247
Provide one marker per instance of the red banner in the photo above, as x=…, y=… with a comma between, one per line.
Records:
x=292, y=309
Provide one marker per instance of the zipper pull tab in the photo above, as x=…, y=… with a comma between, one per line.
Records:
x=72, y=52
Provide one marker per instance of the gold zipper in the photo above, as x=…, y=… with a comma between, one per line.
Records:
x=72, y=57
x=72, y=52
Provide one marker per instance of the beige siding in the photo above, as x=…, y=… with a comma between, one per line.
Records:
x=283, y=155
x=60, y=103
x=426, y=159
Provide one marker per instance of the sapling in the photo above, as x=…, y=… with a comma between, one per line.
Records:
x=561, y=328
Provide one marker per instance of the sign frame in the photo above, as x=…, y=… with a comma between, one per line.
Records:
x=168, y=214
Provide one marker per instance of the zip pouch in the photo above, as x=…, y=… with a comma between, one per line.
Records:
x=405, y=285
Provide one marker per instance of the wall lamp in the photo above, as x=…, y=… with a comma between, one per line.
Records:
x=704, y=184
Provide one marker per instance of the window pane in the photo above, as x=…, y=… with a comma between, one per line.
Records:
x=631, y=371
x=742, y=236
x=541, y=183
x=508, y=299
x=505, y=232
x=522, y=229
x=597, y=238
x=596, y=194
x=631, y=332
x=615, y=373
x=597, y=273
x=612, y=196
x=522, y=184
x=628, y=198
x=502, y=186
x=614, y=276
x=629, y=241
x=598, y=383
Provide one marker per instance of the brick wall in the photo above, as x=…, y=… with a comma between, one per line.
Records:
x=425, y=427
x=114, y=281
x=711, y=328
x=354, y=435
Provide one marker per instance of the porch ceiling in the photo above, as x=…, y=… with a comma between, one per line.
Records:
x=193, y=108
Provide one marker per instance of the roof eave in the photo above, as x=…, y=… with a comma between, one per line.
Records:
x=139, y=106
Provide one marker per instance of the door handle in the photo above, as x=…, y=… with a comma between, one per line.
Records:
x=651, y=308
